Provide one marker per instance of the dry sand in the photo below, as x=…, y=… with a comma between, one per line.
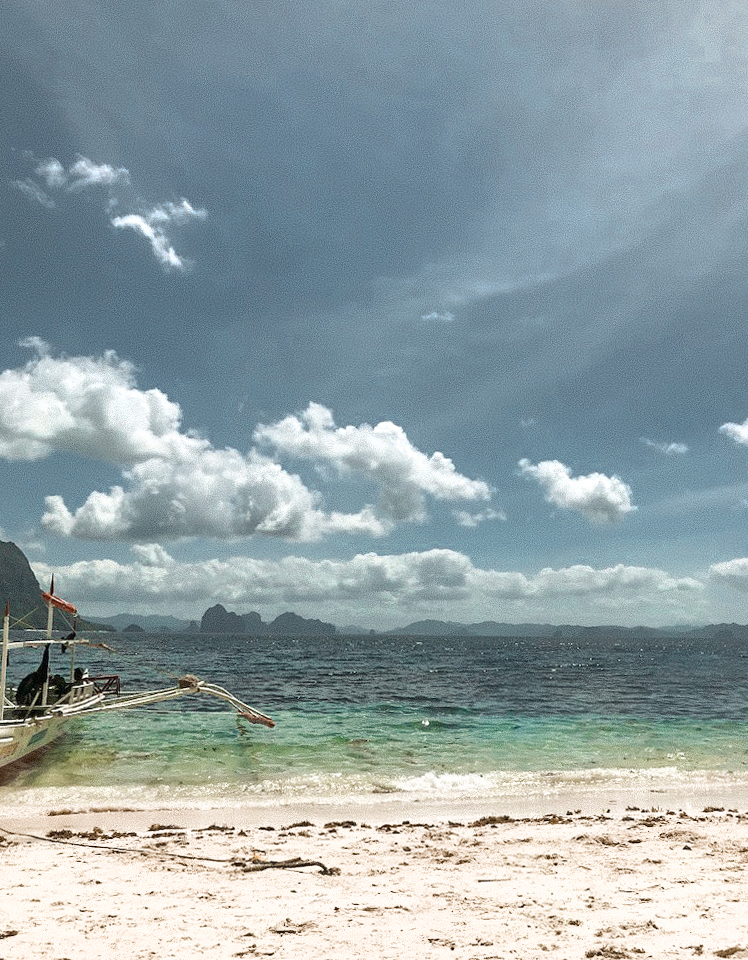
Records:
x=637, y=882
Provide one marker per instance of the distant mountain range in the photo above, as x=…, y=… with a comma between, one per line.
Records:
x=150, y=623
x=491, y=628
x=217, y=620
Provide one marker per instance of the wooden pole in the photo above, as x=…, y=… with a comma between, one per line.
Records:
x=50, y=621
x=4, y=668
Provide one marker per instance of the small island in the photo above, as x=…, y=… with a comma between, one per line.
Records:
x=218, y=619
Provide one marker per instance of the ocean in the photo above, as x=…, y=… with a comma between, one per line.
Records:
x=363, y=719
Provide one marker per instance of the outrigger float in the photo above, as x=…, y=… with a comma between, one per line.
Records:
x=38, y=710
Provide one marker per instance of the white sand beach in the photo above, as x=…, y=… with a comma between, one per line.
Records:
x=661, y=881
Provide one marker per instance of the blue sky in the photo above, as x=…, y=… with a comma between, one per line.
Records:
x=380, y=311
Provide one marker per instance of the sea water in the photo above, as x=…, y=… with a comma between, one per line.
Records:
x=369, y=718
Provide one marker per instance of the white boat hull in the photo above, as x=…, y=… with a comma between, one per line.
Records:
x=18, y=741
x=23, y=735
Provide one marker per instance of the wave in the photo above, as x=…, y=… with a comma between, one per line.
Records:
x=510, y=787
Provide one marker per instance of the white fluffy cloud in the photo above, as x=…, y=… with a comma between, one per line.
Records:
x=85, y=405
x=382, y=453
x=386, y=586
x=177, y=484
x=152, y=222
x=738, y=431
x=732, y=572
x=599, y=498
x=195, y=490
x=582, y=579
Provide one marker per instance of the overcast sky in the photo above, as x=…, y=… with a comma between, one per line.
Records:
x=378, y=312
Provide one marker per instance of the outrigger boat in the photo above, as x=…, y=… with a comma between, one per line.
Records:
x=38, y=710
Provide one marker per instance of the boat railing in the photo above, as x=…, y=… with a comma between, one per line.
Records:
x=107, y=683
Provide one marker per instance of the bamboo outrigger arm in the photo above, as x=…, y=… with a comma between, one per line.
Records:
x=186, y=685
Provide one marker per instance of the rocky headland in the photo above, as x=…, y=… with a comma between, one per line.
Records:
x=218, y=619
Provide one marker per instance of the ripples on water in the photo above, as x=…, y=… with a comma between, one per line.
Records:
x=369, y=716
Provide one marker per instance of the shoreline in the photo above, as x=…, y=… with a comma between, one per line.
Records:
x=624, y=881
x=275, y=811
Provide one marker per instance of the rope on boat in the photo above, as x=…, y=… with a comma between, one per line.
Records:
x=23, y=624
x=251, y=866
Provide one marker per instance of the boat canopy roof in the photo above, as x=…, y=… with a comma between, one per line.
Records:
x=60, y=641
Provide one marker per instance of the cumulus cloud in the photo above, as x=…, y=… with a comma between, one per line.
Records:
x=668, y=449
x=382, y=453
x=732, y=572
x=176, y=484
x=152, y=555
x=152, y=222
x=85, y=405
x=583, y=579
x=194, y=490
x=597, y=497
x=433, y=580
x=738, y=431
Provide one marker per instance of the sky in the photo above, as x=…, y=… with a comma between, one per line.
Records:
x=378, y=312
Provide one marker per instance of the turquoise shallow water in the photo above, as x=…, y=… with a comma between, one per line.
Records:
x=359, y=719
